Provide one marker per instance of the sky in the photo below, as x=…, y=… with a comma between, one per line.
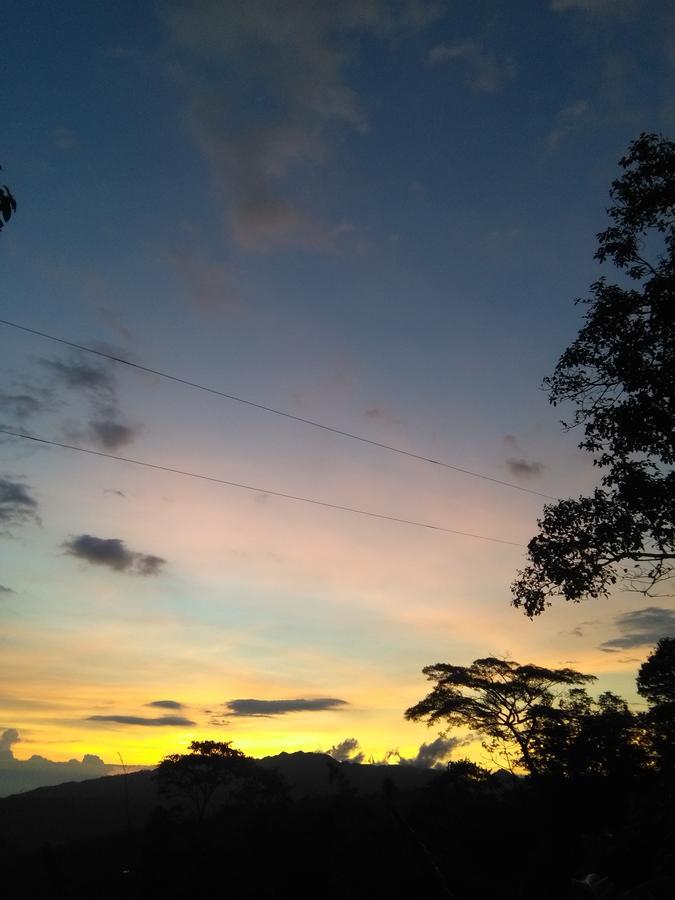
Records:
x=373, y=215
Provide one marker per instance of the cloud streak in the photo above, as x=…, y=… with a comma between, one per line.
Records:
x=113, y=553
x=265, y=708
x=640, y=628
x=166, y=704
x=159, y=722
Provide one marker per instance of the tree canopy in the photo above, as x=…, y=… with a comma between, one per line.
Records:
x=503, y=701
x=656, y=678
x=620, y=374
x=196, y=777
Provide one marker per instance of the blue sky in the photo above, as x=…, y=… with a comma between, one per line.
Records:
x=376, y=215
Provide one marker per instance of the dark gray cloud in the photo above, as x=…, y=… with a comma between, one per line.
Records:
x=17, y=506
x=347, y=751
x=160, y=722
x=113, y=553
x=524, y=468
x=251, y=707
x=114, y=491
x=166, y=704
x=111, y=434
x=6, y=590
x=81, y=375
x=434, y=754
x=640, y=628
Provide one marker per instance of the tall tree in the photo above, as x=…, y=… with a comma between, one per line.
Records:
x=503, y=701
x=620, y=374
x=656, y=683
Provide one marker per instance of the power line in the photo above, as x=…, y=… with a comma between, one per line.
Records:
x=257, y=490
x=276, y=412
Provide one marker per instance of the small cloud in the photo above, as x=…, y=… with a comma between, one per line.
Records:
x=166, y=704
x=524, y=468
x=160, y=722
x=252, y=707
x=113, y=553
x=6, y=590
x=378, y=414
x=115, y=491
x=17, y=506
x=486, y=72
x=347, y=751
x=640, y=628
x=434, y=754
x=112, y=435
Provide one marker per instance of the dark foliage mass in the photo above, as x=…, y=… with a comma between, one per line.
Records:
x=7, y=205
x=620, y=375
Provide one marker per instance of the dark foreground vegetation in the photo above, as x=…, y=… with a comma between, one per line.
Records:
x=462, y=835
x=593, y=817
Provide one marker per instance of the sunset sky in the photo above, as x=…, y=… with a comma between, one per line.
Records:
x=375, y=215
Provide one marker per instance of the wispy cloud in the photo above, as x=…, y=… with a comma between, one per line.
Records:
x=596, y=7
x=22, y=404
x=17, y=505
x=290, y=70
x=6, y=590
x=568, y=121
x=486, y=72
x=113, y=553
x=79, y=374
x=641, y=628
x=252, y=707
x=106, y=427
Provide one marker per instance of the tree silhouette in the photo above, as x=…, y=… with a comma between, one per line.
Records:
x=620, y=373
x=209, y=768
x=505, y=702
x=582, y=737
x=656, y=678
x=7, y=205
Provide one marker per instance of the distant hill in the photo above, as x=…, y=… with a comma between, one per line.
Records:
x=85, y=809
